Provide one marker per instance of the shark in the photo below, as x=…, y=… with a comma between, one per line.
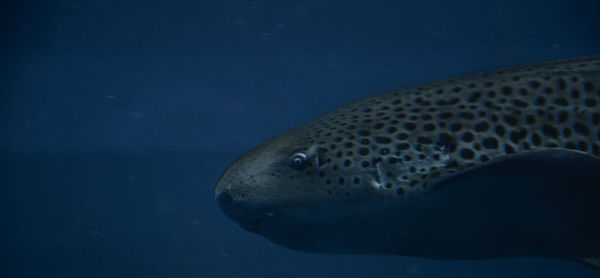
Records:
x=503, y=163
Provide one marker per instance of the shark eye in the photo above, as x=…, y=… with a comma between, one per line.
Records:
x=298, y=161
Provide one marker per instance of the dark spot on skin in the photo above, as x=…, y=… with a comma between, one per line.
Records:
x=539, y=101
x=363, y=151
x=454, y=127
x=445, y=115
x=581, y=129
x=534, y=84
x=403, y=146
x=507, y=91
x=510, y=120
x=548, y=130
x=523, y=91
x=508, y=149
x=574, y=93
x=474, y=97
x=429, y=127
x=481, y=127
x=489, y=143
x=483, y=158
x=519, y=103
x=364, y=133
x=529, y=119
x=382, y=140
x=514, y=137
x=467, y=137
x=402, y=136
x=588, y=86
x=561, y=84
x=466, y=153
x=562, y=117
x=595, y=118
x=566, y=132
x=522, y=133
x=582, y=146
x=590, y=102
x=561, y=101
x=453, y=101
x=451, y=147
x=499, y=129
x=410, y=126
x=466, y=115
x=376, y=160
x=424, y=140
x=444, y=138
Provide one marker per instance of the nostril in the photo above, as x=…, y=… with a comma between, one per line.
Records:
x=247, y=214
x=224, y=200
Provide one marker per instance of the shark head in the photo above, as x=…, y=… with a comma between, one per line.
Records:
x=392, y=174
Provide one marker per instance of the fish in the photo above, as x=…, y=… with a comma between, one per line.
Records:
x=498, y=164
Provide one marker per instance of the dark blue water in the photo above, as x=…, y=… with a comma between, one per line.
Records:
x=117, y=118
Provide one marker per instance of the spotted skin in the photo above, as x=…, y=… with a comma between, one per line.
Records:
x=413, y=137
x=366, y=167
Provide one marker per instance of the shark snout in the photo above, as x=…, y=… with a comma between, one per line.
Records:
x=246, y=214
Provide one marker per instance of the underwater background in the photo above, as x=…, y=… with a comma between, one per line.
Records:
x=118, y=117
